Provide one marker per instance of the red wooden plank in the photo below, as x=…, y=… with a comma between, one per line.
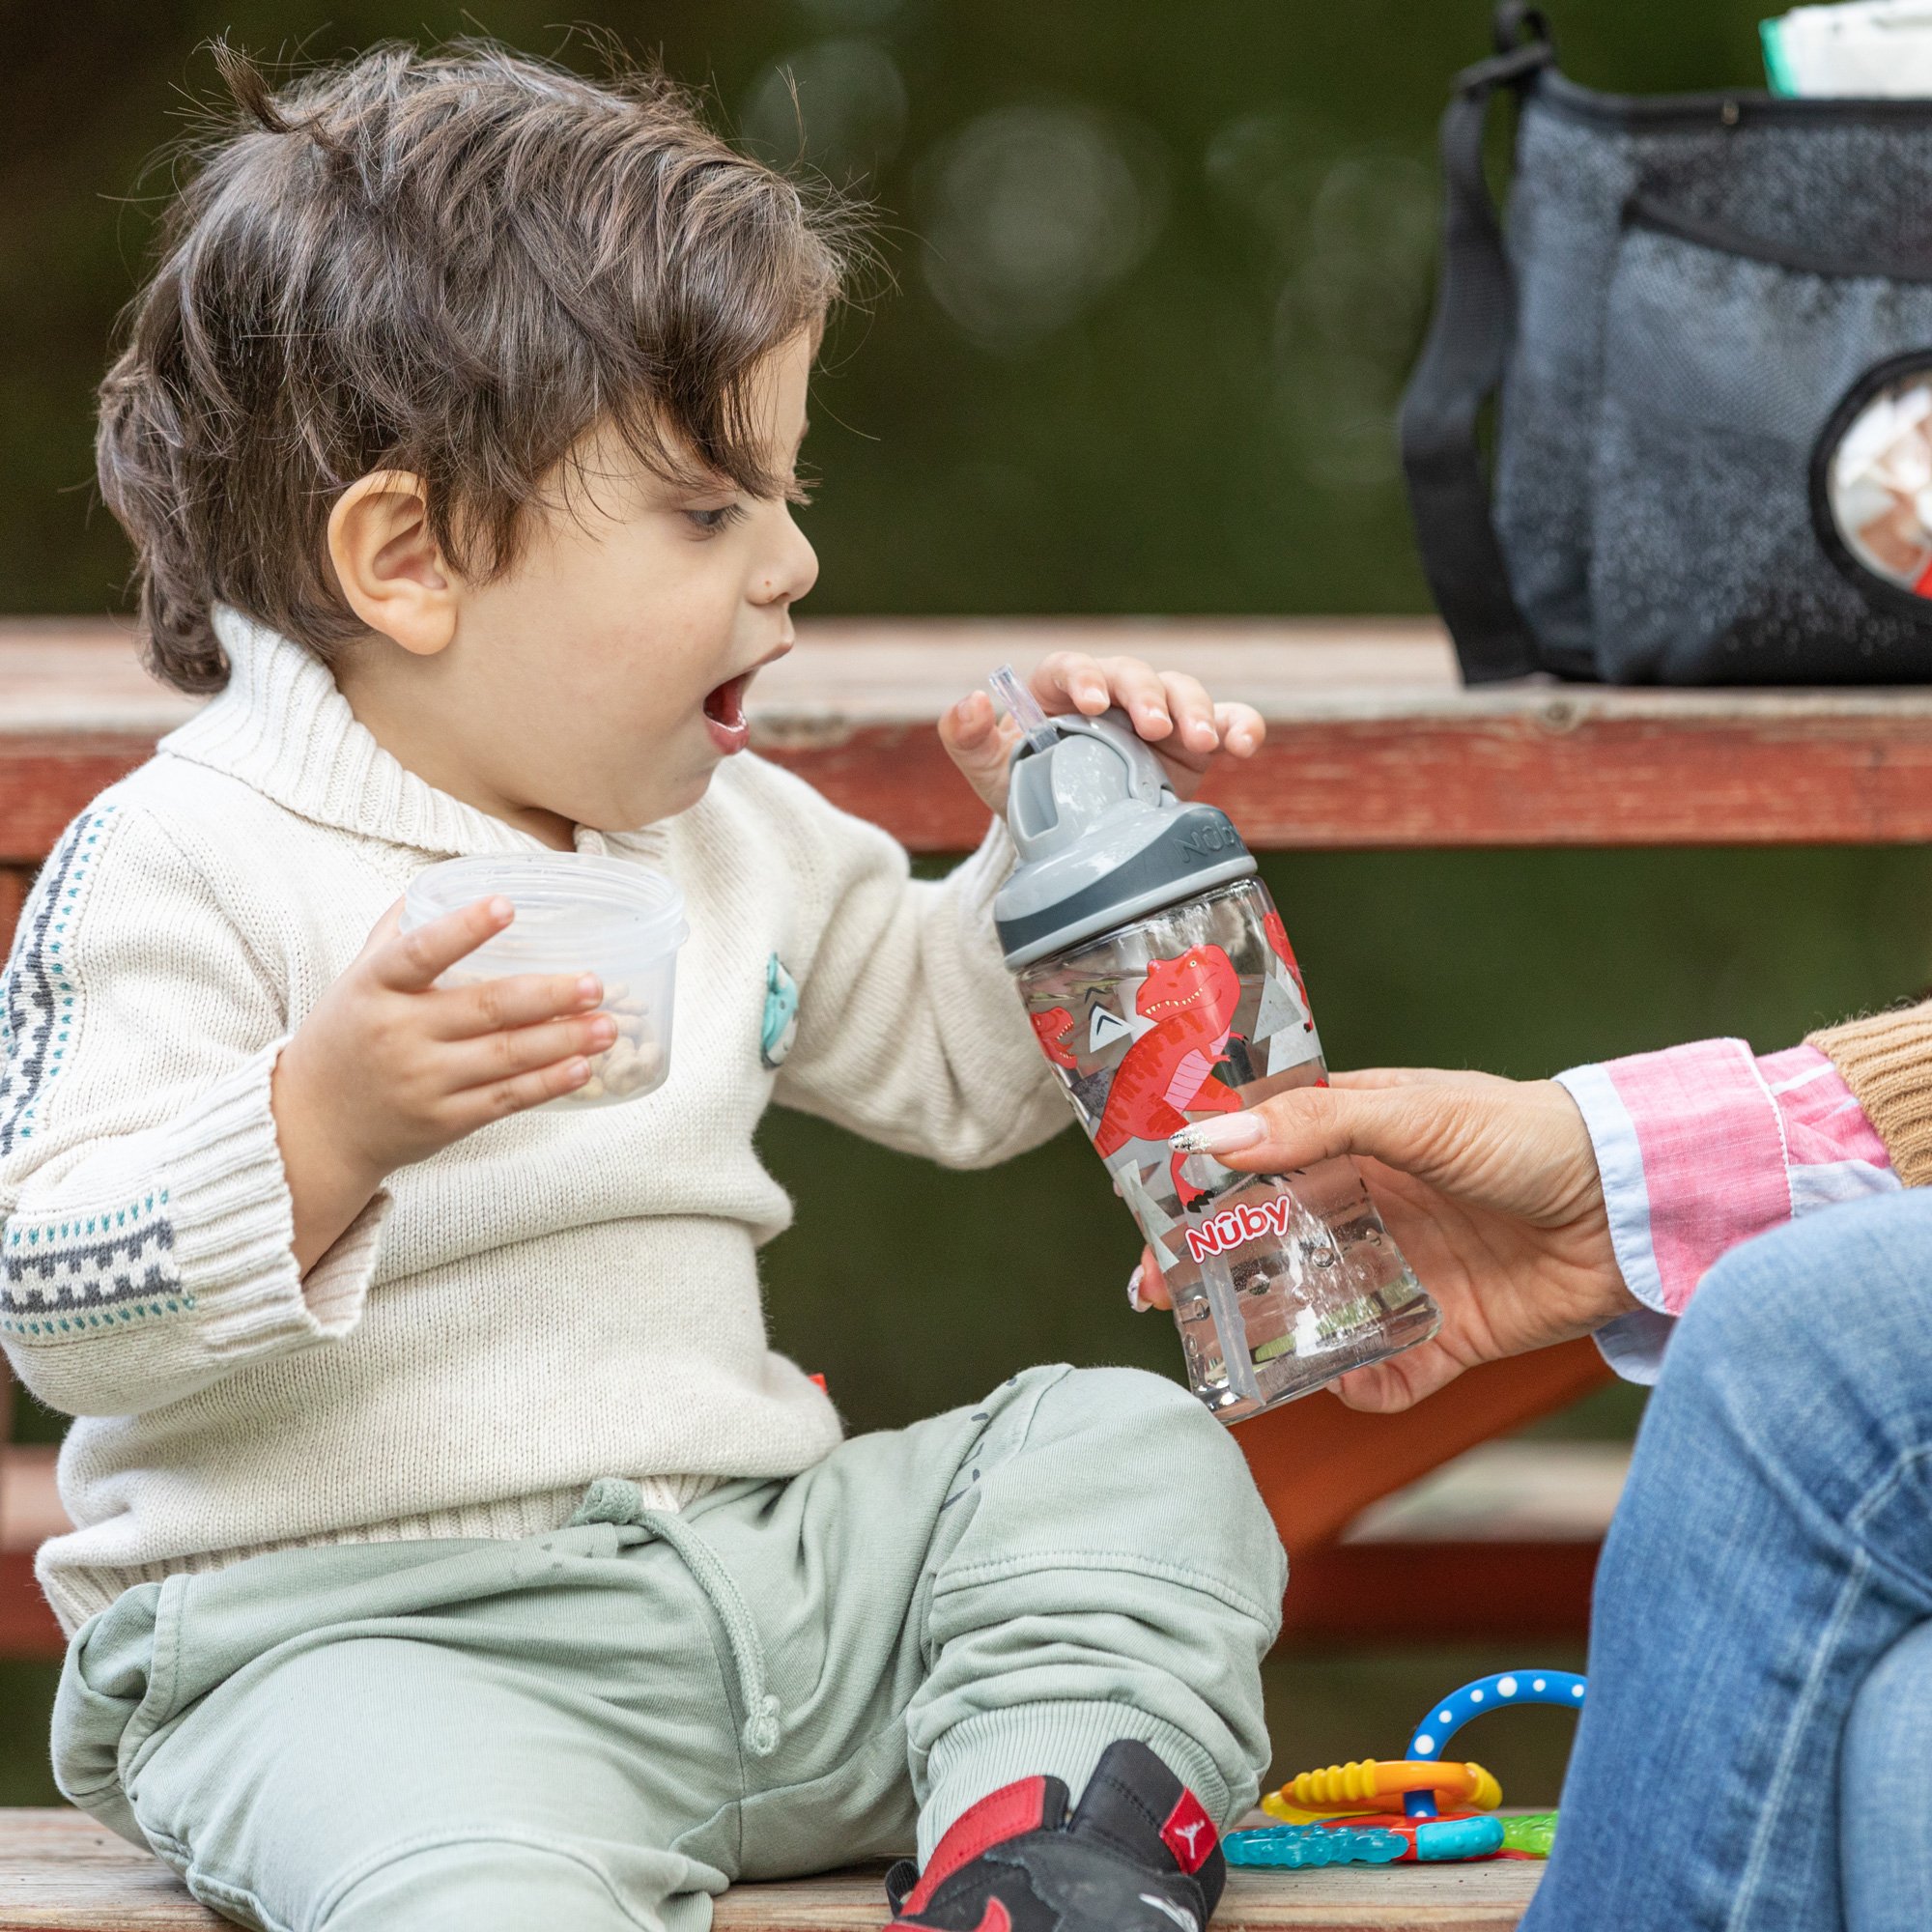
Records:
x=1318, y=1465
x=27, y=1625
x=1372, y=744
x=1370, y=1593
x=46, y=778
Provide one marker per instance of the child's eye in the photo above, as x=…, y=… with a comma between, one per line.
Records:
x=712, y=521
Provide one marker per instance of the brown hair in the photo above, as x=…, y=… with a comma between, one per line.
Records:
x=457, y=264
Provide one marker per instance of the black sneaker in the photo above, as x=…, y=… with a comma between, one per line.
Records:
x=1140, y=1854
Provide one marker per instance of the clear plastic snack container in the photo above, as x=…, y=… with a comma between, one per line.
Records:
x=576, y=913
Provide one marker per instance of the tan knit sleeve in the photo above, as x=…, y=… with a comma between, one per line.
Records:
x=1886, y=1062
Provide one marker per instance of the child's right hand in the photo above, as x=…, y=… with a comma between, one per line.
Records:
x=389, y=1067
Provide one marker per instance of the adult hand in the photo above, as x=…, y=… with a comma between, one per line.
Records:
x=1170, y=710
x=1488, y=1187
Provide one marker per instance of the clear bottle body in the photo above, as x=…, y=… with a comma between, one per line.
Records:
x=1279, y=1282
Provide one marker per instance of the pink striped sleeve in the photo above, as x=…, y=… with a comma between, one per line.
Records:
x=1701, y=1146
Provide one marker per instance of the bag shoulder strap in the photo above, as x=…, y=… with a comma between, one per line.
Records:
x=1462, y=366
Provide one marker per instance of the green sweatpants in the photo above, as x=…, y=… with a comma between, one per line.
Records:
x=604, y=1728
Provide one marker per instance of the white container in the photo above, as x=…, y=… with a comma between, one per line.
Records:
x=576, y=913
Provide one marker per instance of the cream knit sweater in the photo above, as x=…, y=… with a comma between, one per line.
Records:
x=556, y=1297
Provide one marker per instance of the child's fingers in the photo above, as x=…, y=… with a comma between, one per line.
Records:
x=970, y=723
x=1140, y=690
x=1193, y=711
x=1072, y=681
x=410, y=962
x=1242, y=728
x=519, y=1000
x=503, y=1058
x=980, y=742
x=478, y=1106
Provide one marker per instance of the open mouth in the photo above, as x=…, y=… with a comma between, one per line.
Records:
x=725, y=714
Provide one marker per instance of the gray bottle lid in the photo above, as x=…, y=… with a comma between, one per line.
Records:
x=1102, y=839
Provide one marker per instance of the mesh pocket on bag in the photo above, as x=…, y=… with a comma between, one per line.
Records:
x=1724, y=367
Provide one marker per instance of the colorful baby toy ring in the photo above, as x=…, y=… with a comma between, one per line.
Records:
x=1485, y=1693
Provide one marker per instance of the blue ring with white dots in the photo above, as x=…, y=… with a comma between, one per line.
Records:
x=1485, y=1693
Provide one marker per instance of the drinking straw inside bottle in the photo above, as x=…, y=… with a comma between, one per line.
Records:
x=1024, y=707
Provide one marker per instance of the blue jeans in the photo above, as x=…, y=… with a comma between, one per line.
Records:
x=1756, y=1751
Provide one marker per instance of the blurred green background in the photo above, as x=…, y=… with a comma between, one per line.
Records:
x=1156, y=273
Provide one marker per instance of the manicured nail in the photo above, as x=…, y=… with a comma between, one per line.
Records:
x=1134, y=1300
x=1225, y=1133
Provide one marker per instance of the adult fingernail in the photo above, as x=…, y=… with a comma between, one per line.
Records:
x=590, y=988
x=500, y=908
x=1134, y=1300
x=1225, y=1133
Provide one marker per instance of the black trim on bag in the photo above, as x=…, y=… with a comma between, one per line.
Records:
x=1461, y=367
x=1563, y=95
x=1877, y=590
x=1644, y=211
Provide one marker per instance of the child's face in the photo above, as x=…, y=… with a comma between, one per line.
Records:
x=599, y=681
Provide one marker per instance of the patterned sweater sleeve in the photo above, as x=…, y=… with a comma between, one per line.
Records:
x=909, y=1029
x=146, y=1228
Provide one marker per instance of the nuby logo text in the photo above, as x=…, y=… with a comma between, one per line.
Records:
x=1248, y=1221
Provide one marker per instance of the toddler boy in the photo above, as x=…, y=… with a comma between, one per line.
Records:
x=451, y=1551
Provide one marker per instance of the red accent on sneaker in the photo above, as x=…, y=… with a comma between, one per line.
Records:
x=1014, y=1809
x=1189, y=1833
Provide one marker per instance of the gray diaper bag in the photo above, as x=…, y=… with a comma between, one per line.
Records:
x=1673, y=423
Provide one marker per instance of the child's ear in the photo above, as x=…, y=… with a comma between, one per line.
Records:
x=392, y=575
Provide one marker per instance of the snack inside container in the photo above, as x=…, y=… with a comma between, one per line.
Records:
x=576, y=913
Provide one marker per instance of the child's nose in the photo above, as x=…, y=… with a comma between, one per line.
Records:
x=792, y=571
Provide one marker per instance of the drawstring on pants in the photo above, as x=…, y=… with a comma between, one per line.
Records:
x=617, y=1500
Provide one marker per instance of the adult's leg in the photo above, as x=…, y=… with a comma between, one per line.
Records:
x=1774, y=1544
x=1885, y=1793
x=997, y=1593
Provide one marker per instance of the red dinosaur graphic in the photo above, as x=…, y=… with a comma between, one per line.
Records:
x=1053, y=1028
x=1278, y=937
x=1170, y=1068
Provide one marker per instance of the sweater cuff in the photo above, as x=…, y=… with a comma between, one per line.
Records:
x=970, y=977
x=1887, y=1063
x=977, y=881
x=234, y=1227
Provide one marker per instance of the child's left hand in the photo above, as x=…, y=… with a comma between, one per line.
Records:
x=1170, y=710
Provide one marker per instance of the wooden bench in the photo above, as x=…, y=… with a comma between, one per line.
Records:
x=1372, y=745
x=61, y=1870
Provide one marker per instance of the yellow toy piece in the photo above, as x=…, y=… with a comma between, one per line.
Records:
x=1367, y=1784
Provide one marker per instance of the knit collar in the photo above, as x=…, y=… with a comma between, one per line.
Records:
x=281, y=726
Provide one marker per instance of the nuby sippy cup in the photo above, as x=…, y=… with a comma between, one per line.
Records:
x=1160, y=982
